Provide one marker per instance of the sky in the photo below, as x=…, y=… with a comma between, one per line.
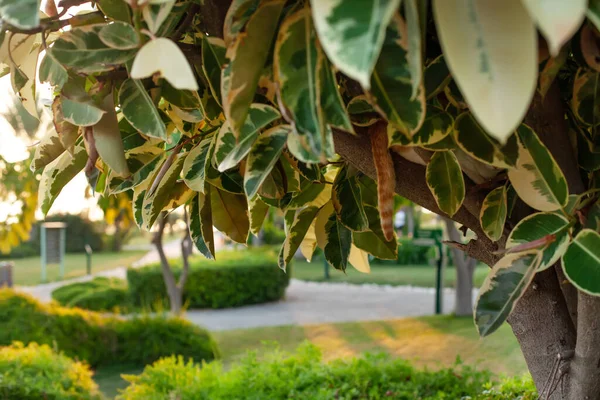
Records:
x=15, y=148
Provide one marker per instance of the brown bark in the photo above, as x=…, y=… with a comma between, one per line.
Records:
x=541, y=323
x=174, y=292
x=465, y=267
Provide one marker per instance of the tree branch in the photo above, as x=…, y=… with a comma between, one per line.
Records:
x=53, y=25
x=411, y=184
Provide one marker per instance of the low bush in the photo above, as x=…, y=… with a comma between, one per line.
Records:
x=99, y=294
x=304, y=376
x=235, y=279
x=99, y=339
x=37, y=372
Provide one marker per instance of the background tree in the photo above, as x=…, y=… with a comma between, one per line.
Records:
x=324, y=109
x=465, y=268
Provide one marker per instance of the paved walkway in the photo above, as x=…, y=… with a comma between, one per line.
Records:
x=305, y=302
x=316, y=302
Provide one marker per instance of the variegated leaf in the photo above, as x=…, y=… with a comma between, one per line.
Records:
x=339, y=241
x=330, y=103
x=58, y=173
x=373, y=241
x=201, y=229
x=473, y=140
x=107, y=137
x=231, y=148
x=118, y=10
x=230, y=181
x=581, y=262
x=52, y=71
x=172, y=64
x=137, y=202
x=184, y=99
x=358, y=258
x=348, y=203
x=481, y=41
x=392, y=82
x=213, y=58
x=47, y=150
x=537, y=179
x=262, y=157
x=143, y=174
x=158, y=195
x=257, y=212
x=415, y=52
x=237, y=17
x=298, y=68
x=445, y=180
x=437, y=126
x=352, y=33
x=586, y=97
x=82, y=50
x=196, y=165
x=593, y=13
x=119, y=35
x=230, y=214
x=436, y=77
x=362, y=112
x=246, y=56
x=503, y=287
x=139, y=110
x=155, y=13
x=535, y=227
x=80, y=113
x=22, y=14
x=558, y=20
x=302, y=221
x=67, y=132
x=493, y=213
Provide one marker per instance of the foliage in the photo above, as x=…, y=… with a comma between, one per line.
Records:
x=235, y=279
x=303, y=375
x=99, y=294
x=99, y=339
x=38, y=372
x=18, y=199
x=230, y=126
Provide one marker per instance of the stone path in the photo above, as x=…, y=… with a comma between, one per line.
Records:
x=305, y=302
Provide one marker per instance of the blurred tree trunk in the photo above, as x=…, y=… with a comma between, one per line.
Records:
x=174, y=287
x=465, y=267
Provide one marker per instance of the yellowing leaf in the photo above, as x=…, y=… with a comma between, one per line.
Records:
x=359, y=259
x=491, y=50
x=162, y=55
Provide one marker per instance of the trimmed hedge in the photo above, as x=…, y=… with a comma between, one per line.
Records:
x=99, y=339
x=37, y=372
x=304, y=376
x=235, y=279
x=99, y=294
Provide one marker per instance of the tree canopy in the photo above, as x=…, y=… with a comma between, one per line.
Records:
x=483, y=111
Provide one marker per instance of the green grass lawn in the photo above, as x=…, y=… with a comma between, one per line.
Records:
x=396, y=275
x=27, y=271
x=431, y=342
